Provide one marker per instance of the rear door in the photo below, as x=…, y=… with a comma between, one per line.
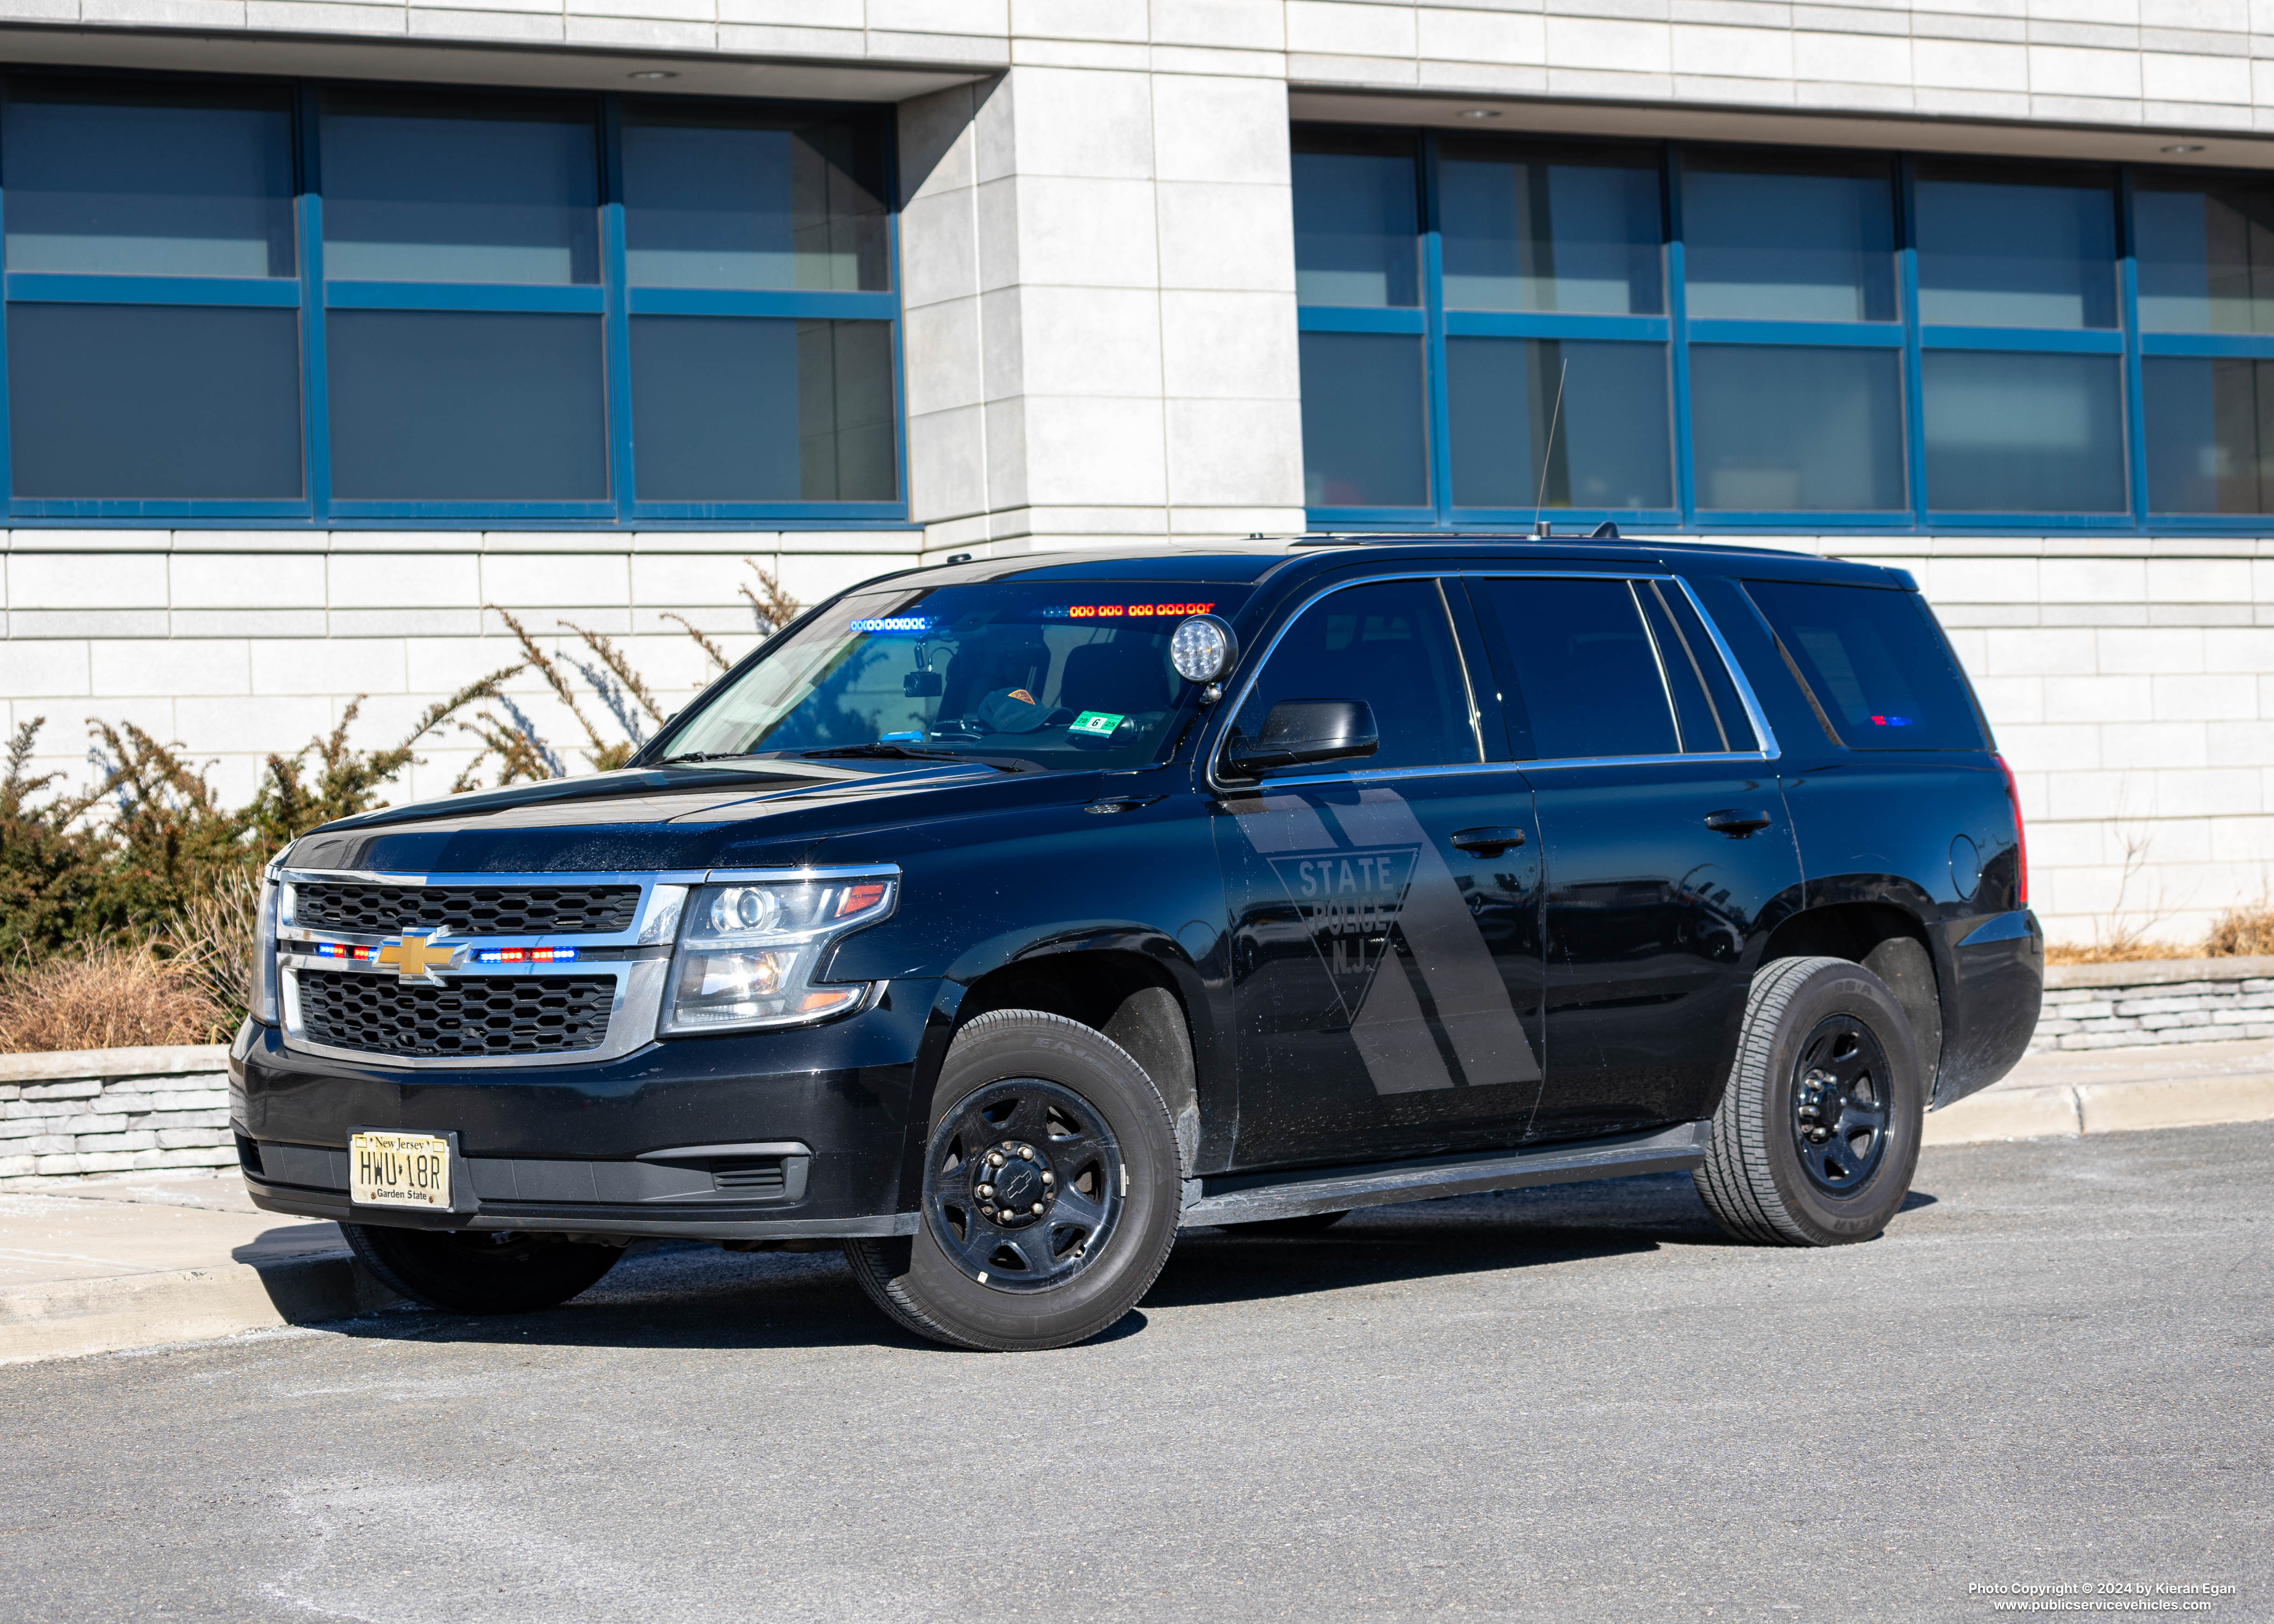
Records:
x=1385, y=914
x=1666, y=839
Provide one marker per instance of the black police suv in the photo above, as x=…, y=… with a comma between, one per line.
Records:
x=995, y=922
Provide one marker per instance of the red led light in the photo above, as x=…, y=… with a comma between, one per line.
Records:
x=1134, y=611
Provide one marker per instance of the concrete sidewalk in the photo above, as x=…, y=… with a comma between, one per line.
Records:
x=144, y=1258
x=101, y=1264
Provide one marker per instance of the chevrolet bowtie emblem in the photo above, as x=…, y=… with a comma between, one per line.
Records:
x=420, y=956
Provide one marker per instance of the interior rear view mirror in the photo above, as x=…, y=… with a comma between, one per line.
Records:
x=922, y=684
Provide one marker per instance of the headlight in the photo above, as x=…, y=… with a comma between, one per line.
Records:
x=263, y=979
x=747, y=952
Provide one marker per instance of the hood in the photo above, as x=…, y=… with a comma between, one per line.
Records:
x=768, y=813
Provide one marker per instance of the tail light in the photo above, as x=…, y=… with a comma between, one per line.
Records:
x=2020, y=839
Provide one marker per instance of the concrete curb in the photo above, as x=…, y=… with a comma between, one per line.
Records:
x=71, y=1318
x=2065, y=1110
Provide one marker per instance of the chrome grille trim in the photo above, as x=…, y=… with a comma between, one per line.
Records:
x=639, y=959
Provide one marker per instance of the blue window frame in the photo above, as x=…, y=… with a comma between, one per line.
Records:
x=294, y=303
x=1756, y=339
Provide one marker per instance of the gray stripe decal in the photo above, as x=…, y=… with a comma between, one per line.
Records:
x=1472, y=1002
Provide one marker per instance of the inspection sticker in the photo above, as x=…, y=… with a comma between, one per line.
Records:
x=1097, y=724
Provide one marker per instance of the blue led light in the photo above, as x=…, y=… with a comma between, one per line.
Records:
x=895, y=623
x=526, y=955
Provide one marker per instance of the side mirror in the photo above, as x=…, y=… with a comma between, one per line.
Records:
x=1300, y=731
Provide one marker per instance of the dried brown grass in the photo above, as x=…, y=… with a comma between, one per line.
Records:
x=108, y=996
x=2241, y=932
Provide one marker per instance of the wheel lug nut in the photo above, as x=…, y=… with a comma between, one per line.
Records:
x=1049, y=1178
x=1026, y=1153
x=994, y=1158
x=987, y=1191
x=1038, y=1207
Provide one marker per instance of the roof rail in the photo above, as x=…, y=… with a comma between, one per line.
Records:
x=1543, y=532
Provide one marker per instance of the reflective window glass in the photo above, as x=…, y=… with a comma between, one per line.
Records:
x=2211, y=434
x=459, y=188
x=1788, y=239
x=125, y=177
x=1357, y=219
x=1389, y=644
x=462, y=405
x=1685, y=681
x=2206, y=253
x=727, y=408
x=154, y=402
x=1876, y=662
x=1612, y=444
x=714, y=198
x=2009, y=432
x=2017, y=247
x=1564, y=228
x=1364, y=443
x=1792, y=428
x=1690, y=628
x=1578, y=675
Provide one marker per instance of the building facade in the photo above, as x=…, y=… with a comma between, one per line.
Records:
x=335, y=333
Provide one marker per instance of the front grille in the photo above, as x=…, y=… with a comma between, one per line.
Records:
x=373, y=908
x=475, y=1016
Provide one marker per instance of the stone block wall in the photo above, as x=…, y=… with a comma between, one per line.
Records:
x=2170, y=1001
x=114, y=1110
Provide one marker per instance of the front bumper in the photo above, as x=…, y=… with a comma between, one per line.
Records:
x=753, y=1136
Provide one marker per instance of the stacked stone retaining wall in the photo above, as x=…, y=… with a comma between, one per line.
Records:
x=2156, y=1001
x=113, y=1111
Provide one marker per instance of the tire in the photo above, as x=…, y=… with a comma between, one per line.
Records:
x=1818, y=1132
x=1104, y=1169
x=480, y=1271
x=1307, y=1223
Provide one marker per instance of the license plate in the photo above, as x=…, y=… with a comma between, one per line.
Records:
x=399, y=1170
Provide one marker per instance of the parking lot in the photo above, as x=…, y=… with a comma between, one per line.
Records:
x=1574, y=1403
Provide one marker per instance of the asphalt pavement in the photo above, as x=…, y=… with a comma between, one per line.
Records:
x=1571, y=1403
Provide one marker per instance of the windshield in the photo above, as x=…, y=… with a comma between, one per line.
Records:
x=1060, y=675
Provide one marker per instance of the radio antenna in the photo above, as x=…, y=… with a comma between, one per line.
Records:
x=1540, y=479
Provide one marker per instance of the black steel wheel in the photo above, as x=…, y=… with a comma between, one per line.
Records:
x=1052, y=1186
x=1023, y=1185
x=1840, y=1104
x=1817, y=1132
x=480, y=1271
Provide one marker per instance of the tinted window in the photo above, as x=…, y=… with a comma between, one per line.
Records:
x=153, y=180
x=1364, y=439
x=1608, y=447
x=1578, y=675
x=1789, y=238
x=1697, y=644
x=2019, y=433
x=1877, y=664
x=2021, y=247
x=2210, y=433
x=1389, y=644
x=723, y=199
x=1570, y=229
x=450, y=188
x=1796, y=428
x=1356, y=219
x=2206, y=248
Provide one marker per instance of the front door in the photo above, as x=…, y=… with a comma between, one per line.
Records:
x=1386, y=957
x=1666, y=841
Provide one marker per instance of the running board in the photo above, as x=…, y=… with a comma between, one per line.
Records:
x=1249, y=1198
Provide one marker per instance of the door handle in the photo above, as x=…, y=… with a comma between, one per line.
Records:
x=1486, y=842
x=1736, y=824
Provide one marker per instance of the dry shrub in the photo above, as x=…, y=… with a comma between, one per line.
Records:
x=108, y=996
x=2242, y=931
x=213, y=933
x=2131, y=951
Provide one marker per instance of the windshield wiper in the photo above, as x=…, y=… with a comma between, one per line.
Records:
x=703, y=755
x=901, y=752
